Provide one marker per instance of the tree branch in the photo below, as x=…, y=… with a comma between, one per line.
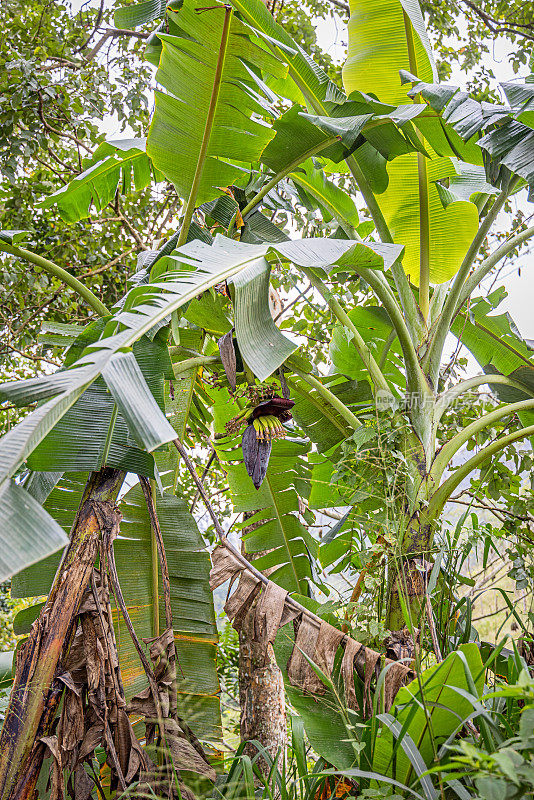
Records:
x=450, y=448
x=51, y=129
x=58, y=272
x=441, y=496
x=497, y=26
x=95, y=28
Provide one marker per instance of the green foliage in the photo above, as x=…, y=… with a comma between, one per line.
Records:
x=289, y=153
x=506, y=770
x=190, y=50
x=275, y=530
x=429, y=711
x=464, y=35
x=9, y=608
x=119, y=166
x=191, y=600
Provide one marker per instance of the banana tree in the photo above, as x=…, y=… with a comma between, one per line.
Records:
x=434, y=168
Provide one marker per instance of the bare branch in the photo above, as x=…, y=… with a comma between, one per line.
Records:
x=109, y=264
x=95, y=28
x=500, y=26
x=51, y=129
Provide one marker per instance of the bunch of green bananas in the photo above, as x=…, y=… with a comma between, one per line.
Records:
x=268, y=427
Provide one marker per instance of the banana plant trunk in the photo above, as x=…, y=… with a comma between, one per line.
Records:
x=410, y=564
x=261, y=692
x=36, y=690
x=408, y=579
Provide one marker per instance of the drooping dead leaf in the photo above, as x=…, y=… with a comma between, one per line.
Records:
x=91, y=740
x=269, y=613
x=72, y=724
x=373, y=661
x=56, y=774
x=327, y=646
x=168, y=733
x=299, y=670
x=224, y=566
x=228, y=358
x=83, y=784
x=184, y=755
x=316, y=639
x=239, y=601
x=93, y=713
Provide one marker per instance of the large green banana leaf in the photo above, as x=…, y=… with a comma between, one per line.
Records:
x=495, y=342
x=187, y=71
x=118, y=418
x=334, y=201
x=508, y=137
x=174, y=281
x=36, y=534
x=135, y=14
x=412, y=202
x=290, y=547
x=430, y=709
x=191, y=599
x=121, y=164
x=390, y=34
x=137, y=566
x=308, y=80
x=61, y=501
x=261, y=344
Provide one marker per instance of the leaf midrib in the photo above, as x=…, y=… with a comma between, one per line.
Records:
x=477, y=324
x=280, y=518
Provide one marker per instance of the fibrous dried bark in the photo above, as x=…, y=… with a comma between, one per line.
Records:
x=37, y=689
x=71, y=654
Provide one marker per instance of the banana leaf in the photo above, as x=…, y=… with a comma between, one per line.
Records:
x=119, y=165
x=429, y=711
x=275, y=504
x=187, y=71
x=391, y=35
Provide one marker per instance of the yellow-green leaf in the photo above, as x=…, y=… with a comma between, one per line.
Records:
x=451, y=229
